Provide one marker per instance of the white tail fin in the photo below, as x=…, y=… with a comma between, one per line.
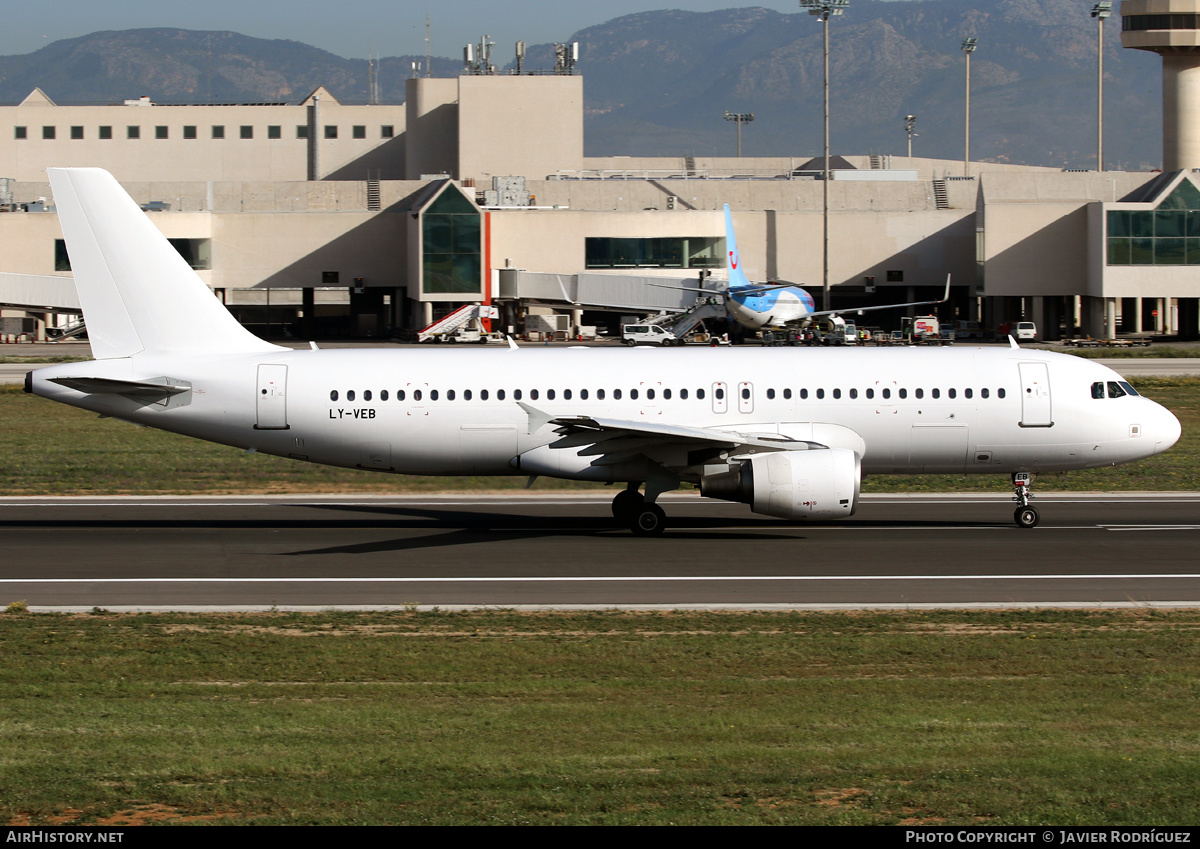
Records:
x=137, y=293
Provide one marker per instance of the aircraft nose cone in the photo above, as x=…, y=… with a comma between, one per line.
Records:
x=1166, y=430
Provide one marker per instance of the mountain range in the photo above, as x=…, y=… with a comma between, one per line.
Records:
x=659, y=83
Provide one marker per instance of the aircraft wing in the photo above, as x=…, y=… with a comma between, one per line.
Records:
x=617, y=440
x=945, y=297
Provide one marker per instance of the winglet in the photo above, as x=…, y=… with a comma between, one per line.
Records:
x=537, y=419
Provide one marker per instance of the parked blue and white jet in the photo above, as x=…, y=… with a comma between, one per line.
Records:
x=759, y=306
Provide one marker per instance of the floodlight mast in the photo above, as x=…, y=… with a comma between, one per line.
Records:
x=1101, y=11
x=910, y=129
x=739, y=118
x=968, y=46
x=823, y=9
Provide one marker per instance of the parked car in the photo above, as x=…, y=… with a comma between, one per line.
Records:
x=648, y=334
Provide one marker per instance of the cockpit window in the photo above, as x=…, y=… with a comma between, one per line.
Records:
x=1098, y=389
x=1128, y=389
x=1114, y=390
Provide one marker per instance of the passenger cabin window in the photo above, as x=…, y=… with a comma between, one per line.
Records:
x=350, y=395
x=333, y=396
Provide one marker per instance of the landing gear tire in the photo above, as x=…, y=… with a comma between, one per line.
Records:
x=649, y=521
x=626, y=504
x=1027, y=517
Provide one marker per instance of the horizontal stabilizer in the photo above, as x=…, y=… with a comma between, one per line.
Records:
x=154, y=387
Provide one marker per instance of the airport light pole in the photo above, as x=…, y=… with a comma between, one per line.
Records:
x=910, y=128
x=968, y=46
x=739, y=118
x=824, y=9
x=1100, y=12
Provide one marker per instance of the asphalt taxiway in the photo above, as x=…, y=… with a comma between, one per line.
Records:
x=533, y=550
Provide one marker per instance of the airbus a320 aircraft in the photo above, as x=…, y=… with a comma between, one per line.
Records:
x=790, y=432
x=758, y=306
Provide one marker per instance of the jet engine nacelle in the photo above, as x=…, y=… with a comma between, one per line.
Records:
x=820, y=483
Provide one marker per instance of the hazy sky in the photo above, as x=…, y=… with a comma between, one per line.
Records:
x=349, y=28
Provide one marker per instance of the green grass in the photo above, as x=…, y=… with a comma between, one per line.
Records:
x=52, y=449
x=1166, y=352
x=1040, y=717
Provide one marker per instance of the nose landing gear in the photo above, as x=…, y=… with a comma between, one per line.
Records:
x=1026, y=515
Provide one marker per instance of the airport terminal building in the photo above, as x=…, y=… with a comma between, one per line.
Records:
x=324, y=219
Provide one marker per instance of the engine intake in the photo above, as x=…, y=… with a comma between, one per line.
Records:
x=816, y=484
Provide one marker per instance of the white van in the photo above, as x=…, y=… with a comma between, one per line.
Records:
x=1025, y=330
x=648, y=334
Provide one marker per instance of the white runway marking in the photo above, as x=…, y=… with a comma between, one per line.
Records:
x=578, y=579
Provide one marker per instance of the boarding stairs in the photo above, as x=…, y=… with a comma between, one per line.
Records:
x=450, y=323
x=712, y=307
x=69, y=331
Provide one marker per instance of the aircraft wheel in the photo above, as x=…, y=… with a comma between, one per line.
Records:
x=1027, y=517
x=649, y=521
x=626, y=503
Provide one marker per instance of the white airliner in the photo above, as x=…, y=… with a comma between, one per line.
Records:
x=788, y=431
x=759, y=306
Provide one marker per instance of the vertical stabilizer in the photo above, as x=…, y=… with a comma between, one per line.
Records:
x=733, y=260
x=137, y=293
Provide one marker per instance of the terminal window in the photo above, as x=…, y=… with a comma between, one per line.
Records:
x=387, y=131
x=77, y=132
x=451, y=246
x=20, y=132
x=667, y=252
x=301, y=131
x=246, y=132
x=106, y=132
x=133, y=132
x=331, y=131
x=160, y=132
x=274, y=132
x=47, y=132
x=1167, y=235
x=197, y=253
x=359, y=131
x=189, y=132
x=218, y=131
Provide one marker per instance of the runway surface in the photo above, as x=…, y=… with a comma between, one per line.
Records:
x=565, y=551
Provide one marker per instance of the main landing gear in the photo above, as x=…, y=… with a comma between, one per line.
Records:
x=643, y=516
x=1026, y=515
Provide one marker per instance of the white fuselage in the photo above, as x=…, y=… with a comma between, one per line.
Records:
x=977, y=410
